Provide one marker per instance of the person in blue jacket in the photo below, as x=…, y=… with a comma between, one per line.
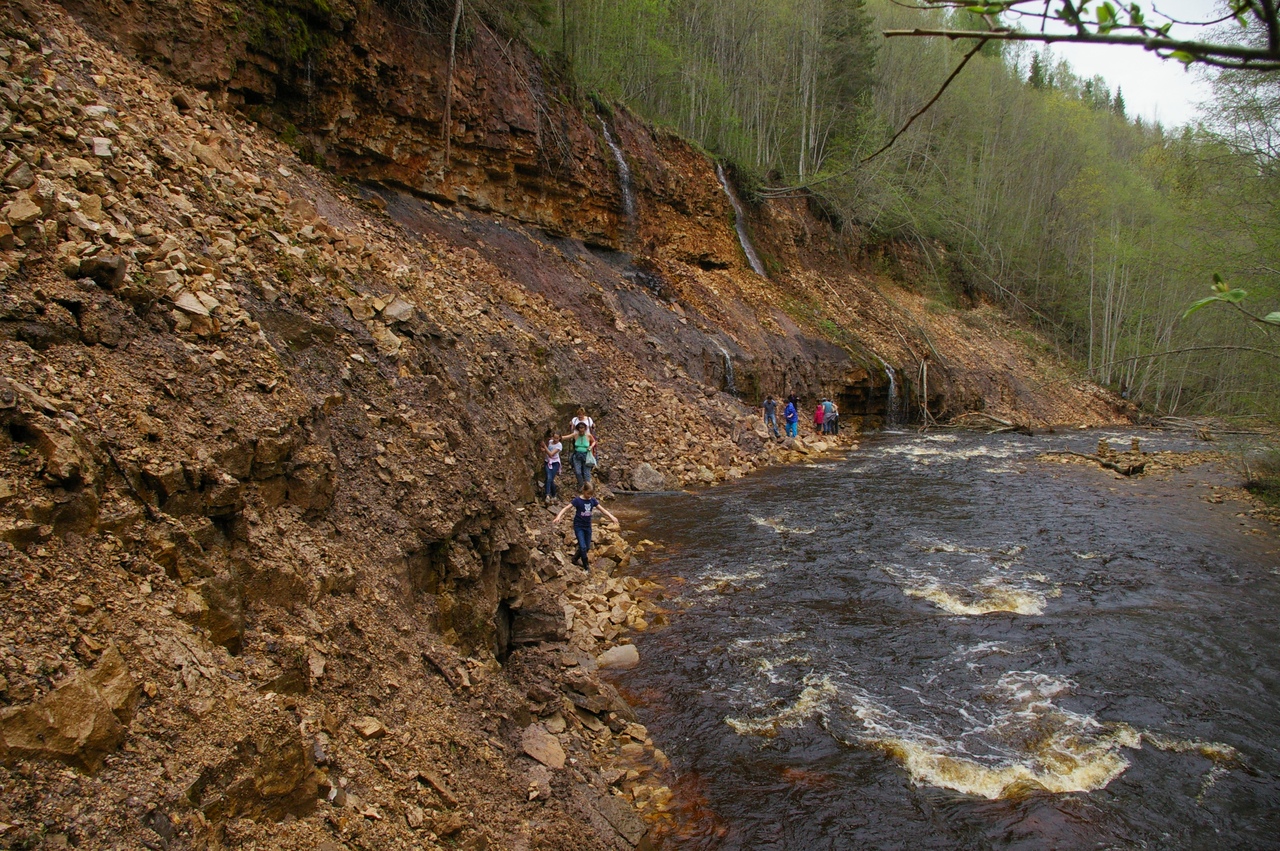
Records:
x=584, y=507
x=792, y=417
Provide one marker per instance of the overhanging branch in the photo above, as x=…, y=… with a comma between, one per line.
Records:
x=1225, y=55
x=1269, y=353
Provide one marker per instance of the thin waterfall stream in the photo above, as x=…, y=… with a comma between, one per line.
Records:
x=740, y=223
x=730, y=382
x=948, y=641
x=893, y=407
x=624, y=175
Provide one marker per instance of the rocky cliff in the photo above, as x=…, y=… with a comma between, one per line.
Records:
x=273, y=571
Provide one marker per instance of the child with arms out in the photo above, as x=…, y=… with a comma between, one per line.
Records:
x=584, y=506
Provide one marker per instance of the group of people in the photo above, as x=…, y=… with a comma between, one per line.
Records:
x=582, y=458
x=826, y=416
x=582, y=452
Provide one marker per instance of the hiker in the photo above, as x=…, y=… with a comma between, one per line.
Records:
x=583, y=507
x=771, y=415
x=819, y=414
x=551, y=451
x=582, y=449
x=791, y=416
x=833, y=418
x=581, y=417
x=828, y=416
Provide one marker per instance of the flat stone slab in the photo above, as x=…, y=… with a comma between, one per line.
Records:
x=542, y=746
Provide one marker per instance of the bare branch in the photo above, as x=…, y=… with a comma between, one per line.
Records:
x=1213, y=23
x=1269, y=353
x=1251, y=58
x=922, y=110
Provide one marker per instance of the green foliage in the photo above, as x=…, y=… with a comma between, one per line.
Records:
x=1222, y=292
x=288, y=30
x=777, y=86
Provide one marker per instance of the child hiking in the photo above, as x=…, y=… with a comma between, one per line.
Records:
x=551, y=456
x=583, y=507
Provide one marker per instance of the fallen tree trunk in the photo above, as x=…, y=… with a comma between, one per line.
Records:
x=1122, y=469
x=993, y=425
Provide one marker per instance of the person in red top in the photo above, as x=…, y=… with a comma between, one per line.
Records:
x=819, y=414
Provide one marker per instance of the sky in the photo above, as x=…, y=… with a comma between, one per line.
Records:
x=1156, y=89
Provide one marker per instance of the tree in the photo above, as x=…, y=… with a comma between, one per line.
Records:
x=1038, y=78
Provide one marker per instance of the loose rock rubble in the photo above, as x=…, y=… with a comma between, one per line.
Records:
x=272, y=569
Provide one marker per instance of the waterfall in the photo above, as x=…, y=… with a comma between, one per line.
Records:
x=624, y=175
x=740, y=222
x=730, y=382
x=892, y=411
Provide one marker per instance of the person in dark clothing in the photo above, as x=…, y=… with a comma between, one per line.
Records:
x=771, y=414
x=584, y=507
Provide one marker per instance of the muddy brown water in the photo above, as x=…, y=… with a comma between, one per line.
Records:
x=942, y=642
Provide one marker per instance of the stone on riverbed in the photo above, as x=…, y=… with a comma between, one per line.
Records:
x=623, y=656
x=645, y=478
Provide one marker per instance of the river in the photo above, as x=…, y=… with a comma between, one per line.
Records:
x=943, y=642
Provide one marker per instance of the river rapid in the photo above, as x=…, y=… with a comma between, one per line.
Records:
x=943, y=642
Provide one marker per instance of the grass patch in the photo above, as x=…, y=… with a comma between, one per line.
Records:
x=1262, y=477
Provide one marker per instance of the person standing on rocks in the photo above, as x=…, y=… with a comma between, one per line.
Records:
x=819, y=415
x=583, y=507
x=582, y=449
x=551, y=450
x=833, y=419
x=771, y=415
x=828, y=416
x=791, y=414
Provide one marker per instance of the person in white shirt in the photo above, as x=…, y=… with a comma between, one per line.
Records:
x=551, y=449
x=581, y=417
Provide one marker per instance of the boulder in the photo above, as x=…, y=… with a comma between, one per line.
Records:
x=623, y=656
x=369, y=727
x=78, y=723
x=398, y=311
x=266, y=776
x=217, y=604
x=622, y=816
x=68, y=460
x=22, y=210
x=645, y=478
x=106, y=270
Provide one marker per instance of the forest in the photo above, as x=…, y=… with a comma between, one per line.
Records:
x=1023, y=181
